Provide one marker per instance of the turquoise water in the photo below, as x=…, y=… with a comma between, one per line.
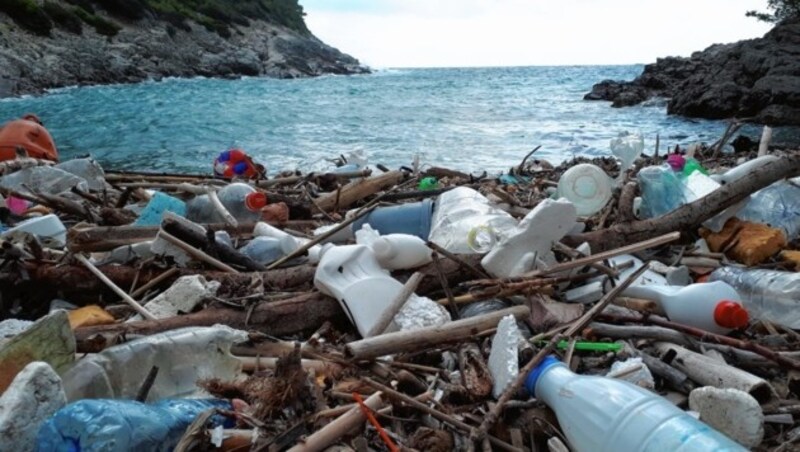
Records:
x=470, y=119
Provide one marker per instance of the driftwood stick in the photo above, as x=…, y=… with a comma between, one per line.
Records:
x=674, y=377
x=423, y=338
x=358, y=190
x=125, y=297
x=331, y=433
x=196, y=253
x=658, y=333
x=577, y=325
x=690, y=216
x=396, y=305
x=400, y=397
x=782, y=360
x=220, y=208
x=584, y=261
x=197, y=237
x=169, y=273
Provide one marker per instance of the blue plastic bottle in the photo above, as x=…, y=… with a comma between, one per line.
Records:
x=600, y=414
x=662, y=190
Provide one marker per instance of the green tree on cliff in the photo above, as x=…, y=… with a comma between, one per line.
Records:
x=780, y=10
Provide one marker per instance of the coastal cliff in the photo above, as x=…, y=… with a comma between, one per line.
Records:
x=757, y=80
x=53, y=43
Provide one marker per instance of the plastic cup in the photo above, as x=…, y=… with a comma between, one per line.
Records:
x=413, y=219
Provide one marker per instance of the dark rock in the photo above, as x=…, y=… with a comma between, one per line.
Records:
x=757, y=80
x=146, y=49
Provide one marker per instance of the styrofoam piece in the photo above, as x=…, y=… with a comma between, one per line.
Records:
x=48, y=228
x=588, y=293
x=35, y=394
x=679, y=276
x=732, y=412
x=633, y=370
x=353, y=276
x=395, y=251
x=504, y=357
x=182, y=297
x=745, y=168
x=528, y=246
x=421, y=312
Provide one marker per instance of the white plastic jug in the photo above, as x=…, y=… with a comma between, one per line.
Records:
x=587, y=186
x=395, y=251
x=352, y=275
x=715, y=307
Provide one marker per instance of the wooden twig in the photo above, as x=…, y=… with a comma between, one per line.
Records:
x=125, y=297
x=451, y=302
x=396, y=305
x=477, y=271
x=170, y=272
x=329, y=434
x=220, y=208
x=196, y=253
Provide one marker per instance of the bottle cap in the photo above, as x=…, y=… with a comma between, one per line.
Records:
x=533, y=377
x=730, y=314
x=255, y=201
x=428, y=183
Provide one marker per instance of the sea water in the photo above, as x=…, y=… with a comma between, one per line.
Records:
x=472, y=119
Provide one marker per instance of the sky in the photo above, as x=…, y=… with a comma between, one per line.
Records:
x=465, y=33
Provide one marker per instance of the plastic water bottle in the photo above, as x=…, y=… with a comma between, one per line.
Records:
x=627, y=148
x=263, y=250
x=116, y=425
x=777, y=206
x=600, y=414
x=767, y=294
x=714, y=307
x=662, y=191
x=465, y=222
x=242, y=201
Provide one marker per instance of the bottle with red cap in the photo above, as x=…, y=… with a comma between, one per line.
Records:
x=241, y=200
x=715, y=307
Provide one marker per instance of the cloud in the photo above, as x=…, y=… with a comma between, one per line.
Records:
x=453, y=33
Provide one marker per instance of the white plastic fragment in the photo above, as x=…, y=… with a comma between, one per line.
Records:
x=632, y=370
x=35, y=394
x=588, y=293
x=731, y=411
x=504, y=357
x=421, y=312
x=528, y=246
x=182, y=297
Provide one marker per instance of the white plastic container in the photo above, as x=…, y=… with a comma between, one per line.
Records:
x=528, y=246
x=352, y=275
x=49, y=229
x=599, y=414
x=587, y=186
x=715, y=307
x=395, y=251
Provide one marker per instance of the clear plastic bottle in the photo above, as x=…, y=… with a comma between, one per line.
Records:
x=767, y=294
x=241, y=200
x=777, y=206
x=263, y=250
x=600, y=414
x=465, y=222
x=662, y=190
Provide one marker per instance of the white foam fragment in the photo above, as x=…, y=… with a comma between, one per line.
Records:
x=504, y=357
x=420, y=312
x=35, y=394
x=735, y=413
x=632, y=370
x=182, y=297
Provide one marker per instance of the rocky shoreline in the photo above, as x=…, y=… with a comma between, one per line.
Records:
x=757, y=80
x=150, y=50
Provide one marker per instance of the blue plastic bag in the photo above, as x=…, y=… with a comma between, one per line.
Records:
x=122, y=425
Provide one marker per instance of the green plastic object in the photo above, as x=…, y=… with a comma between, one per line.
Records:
x=590, y=346
x=428, y=183
x=693, y=165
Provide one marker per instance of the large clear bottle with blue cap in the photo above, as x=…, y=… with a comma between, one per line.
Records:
x=599, y=414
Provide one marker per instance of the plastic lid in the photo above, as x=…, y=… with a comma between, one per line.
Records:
x=730, y=314
x=255, y=201
x=587, y=186
x=533, y=377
